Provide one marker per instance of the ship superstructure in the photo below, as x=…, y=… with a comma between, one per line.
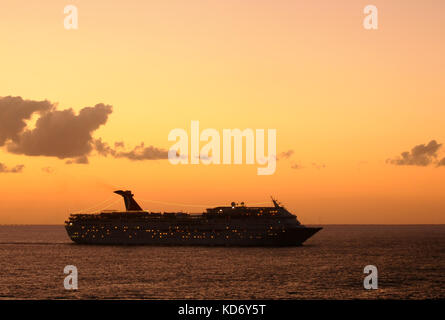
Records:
x=234, y=225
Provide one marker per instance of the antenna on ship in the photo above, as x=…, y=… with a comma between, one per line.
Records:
x=275, y=202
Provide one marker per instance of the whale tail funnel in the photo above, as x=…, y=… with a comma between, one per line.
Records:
x=130, y=203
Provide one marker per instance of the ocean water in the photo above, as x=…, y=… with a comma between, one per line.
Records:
x=410, y=262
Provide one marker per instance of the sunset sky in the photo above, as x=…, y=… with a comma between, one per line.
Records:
x=347, y=101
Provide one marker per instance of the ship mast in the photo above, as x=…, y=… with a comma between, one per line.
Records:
x=275, y=202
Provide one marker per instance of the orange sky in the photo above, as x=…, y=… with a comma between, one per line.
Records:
x=340, y=96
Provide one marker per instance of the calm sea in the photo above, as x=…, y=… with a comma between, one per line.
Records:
x=410, y=262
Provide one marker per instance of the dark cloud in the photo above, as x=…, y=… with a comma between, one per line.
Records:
x=16, y=169
x=441, y=163
x=119, y=144
x=79, y=160
x=103, y=148
x=143, y=153
x=62, y=134
x=140, y=152
x=14, y=111
x=421, y=155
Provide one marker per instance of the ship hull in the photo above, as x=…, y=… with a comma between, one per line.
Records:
x=142, y=236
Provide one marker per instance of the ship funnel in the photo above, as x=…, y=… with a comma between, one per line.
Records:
x=130, y=203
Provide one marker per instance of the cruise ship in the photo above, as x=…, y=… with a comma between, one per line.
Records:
x=234, y=225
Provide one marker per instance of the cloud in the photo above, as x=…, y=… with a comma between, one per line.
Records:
x=62, y=134
x=48, y=169
x=204, y=157
x=441, y=163
x=140, y=152
x=285, y=154
x=119, y=144
x=14, y=111
x=16, y=169
x=79, y=160
x=103, y=148
x=421, y=155
x=143, y=153
x=318, y=166
x=313, y=164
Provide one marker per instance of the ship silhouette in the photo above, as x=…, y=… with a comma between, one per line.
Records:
x=234, y=225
